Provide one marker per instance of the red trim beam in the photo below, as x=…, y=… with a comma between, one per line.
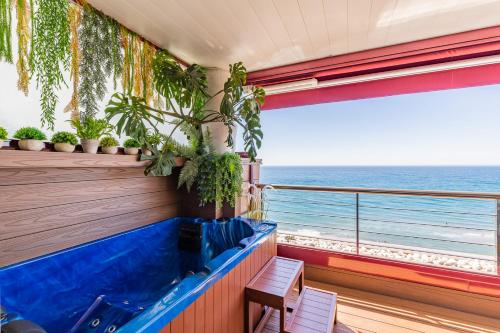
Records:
x=460, y=46
x=438, y=50
x=442, y=80
x=428, y=275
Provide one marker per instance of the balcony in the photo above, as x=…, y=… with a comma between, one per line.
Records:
x=173, y=236
x=393, y=272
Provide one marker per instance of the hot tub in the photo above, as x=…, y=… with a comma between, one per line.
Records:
x=136, y=281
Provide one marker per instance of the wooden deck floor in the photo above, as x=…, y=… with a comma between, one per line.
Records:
x=363, y=312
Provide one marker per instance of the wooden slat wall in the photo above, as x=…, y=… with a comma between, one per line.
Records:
x=221, y=308
x=43, y=210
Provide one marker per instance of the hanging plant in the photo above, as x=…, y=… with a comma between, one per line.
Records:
x=75, y=18
x=23, y=10
x=137, y=65
x=99, y=41
x=127, y=58
x=149, y=52
x=116, y=51
x=50, y=56
x=5, y=31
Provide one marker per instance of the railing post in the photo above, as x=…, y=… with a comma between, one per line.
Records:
x=498, y=236
x=357, y=223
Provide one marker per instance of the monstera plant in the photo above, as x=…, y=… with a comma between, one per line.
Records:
x=186, y=95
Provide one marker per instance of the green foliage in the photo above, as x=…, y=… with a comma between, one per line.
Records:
x=131, y=143
x=219, y=178
x=200, y=147
x=189, y=172
x=100, y=58
x=188, y=88
x=229, y=175
x=92, y=129
x=32, y=133
x=3, y=133
x=5, y=31
x=109, y=141
x=50, y=53
x=242, y=108
x=207, y=179
x=153, y=139
x=134, y=115
x=162, y=162
x=65, y=137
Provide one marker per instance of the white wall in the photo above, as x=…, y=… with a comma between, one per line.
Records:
x=18, y=110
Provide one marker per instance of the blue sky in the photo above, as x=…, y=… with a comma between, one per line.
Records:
x=452, y=127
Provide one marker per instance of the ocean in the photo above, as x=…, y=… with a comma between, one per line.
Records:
x=467, y=226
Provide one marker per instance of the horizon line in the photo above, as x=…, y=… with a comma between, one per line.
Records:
x=383, y=165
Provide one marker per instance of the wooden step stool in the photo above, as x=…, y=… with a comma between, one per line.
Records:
x=315, y=311
x=272, y=286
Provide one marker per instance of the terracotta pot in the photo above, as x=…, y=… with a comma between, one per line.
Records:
x=131, y=151
x=64, y=147
x=109, y=150
x=90, y=146
x=146, y=151
x=32, y=145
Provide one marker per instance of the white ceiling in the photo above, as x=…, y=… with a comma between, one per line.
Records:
x=268, y=33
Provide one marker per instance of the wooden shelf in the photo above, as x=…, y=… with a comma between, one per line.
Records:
x=46, y=159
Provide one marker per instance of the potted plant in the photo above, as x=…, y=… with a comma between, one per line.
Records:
x=189, y=104
x=152, y=139
x=90, y=132
x=109, y=145
x=3, y=135
x=131, y=146
x=64, y=142
x=30, y=138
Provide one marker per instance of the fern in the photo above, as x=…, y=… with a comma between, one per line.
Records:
x=189, y=173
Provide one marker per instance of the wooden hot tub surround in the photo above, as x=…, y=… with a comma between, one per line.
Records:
x=50, y=201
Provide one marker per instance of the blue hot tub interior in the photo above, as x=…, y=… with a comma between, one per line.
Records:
x=122, y=277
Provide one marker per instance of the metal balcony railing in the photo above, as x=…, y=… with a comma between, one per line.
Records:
x=456, y=230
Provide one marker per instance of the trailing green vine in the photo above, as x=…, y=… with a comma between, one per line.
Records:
x=229, y=174
x=100, y=58
x=219, y=179
x=5, y=31
x=51, y=50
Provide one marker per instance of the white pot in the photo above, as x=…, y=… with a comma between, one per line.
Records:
x=109, y=150
x=64, y=147
x=32, y=145
x=146, y=151
x=219, y=133
x=90, y=146
x=131, y=151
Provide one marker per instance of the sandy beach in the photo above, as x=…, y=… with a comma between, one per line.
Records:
x=414, y=255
